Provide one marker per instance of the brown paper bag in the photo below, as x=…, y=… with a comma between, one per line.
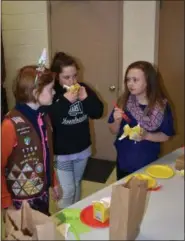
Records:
x=9, y=227
x=179, y=164
x=127, y=209
x=53, y=205
x=29, y=224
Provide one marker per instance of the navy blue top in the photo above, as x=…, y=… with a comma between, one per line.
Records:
x=132, y=155
x=32, y=116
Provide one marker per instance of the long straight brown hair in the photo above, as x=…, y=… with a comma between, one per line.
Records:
x=154, y=91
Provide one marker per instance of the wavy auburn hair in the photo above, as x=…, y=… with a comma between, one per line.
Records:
x=24, y=83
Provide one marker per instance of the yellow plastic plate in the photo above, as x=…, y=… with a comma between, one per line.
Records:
x=151, y=181
x=160, y=171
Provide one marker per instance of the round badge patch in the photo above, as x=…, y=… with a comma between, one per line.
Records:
x=27, y=140
x=39, y=168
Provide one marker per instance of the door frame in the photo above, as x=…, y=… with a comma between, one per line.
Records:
x=120, y=43
x=165, y=14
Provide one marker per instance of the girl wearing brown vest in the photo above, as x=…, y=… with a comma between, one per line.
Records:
x=27, y=157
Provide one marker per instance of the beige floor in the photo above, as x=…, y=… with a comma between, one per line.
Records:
x=89, y=188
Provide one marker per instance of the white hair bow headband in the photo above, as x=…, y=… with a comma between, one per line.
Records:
x=41, y=64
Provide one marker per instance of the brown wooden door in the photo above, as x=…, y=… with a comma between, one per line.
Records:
x=92, y=32
x=171, y=64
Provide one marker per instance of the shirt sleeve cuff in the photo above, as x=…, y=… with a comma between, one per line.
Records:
x=6, y=202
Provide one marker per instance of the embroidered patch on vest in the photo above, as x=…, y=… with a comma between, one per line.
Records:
x=34, y=191
x=27, y=140
x=27, y=168
x=33, y=175
x=15, y=168
x=22, y=177
x=11, y=176
x=35, y=181
x=24, y=130
x=40, y=186
x=17, y=119
x=39, y=168
x=16, y=185
x=23, y=193
x=16, y=191
x=22, y=182
x=28, y=186
x=24, y=161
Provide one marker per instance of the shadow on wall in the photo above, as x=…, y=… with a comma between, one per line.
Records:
x=105, y=113
x=174, y=141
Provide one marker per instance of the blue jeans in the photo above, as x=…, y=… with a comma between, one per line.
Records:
x=70, y=174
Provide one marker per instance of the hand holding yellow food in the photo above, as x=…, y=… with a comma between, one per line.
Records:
x=73, y=88
x=133, y=133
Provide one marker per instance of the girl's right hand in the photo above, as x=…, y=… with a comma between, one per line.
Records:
x=72, y=97
x=118, y=114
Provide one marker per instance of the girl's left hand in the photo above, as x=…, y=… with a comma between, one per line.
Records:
x=82, y=94
x=142, y=135
x=56, y=193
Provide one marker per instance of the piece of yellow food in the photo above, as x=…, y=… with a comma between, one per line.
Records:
x=132, y=133
x=74, y=88
x=127, y=130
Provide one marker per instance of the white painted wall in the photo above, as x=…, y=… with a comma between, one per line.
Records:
x=25, y=33
x=140, y=31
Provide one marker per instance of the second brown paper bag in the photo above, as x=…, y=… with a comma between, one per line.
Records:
x=29, y=224
x=127, y=209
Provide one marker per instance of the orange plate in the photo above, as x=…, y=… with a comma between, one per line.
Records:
x=87, y=218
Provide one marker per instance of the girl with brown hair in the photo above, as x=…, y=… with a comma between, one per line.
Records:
x=145, y=105
x=70, y=114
